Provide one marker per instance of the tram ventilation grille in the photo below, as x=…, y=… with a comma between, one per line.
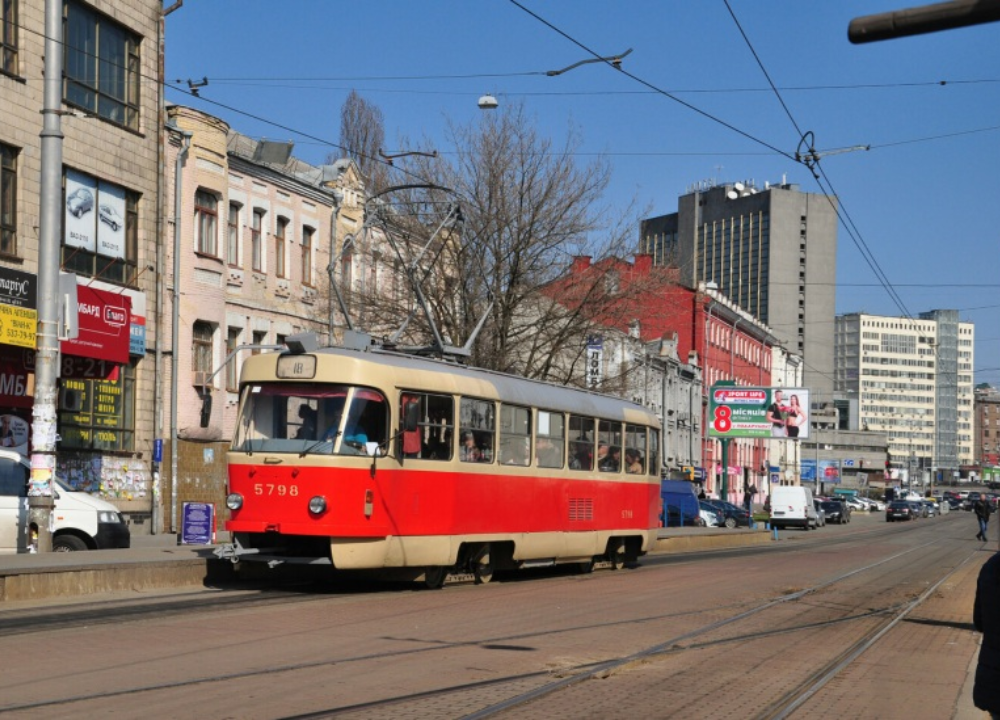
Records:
x=581, y=508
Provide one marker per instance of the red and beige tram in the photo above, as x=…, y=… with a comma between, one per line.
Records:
x=370, y=459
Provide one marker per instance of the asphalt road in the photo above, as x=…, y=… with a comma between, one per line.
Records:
x=870, y=619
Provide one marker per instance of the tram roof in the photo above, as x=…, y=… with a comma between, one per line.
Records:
x=434, y=375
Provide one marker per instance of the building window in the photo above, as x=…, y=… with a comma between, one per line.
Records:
x=8, y=200
x=8, y=36
x=201, y=350
x=259, y=338
x=100, y=233
x=101, y=66
x=206, y=214
x=280, y=236
x=256, y=241
x=233, y=235
x=307, y=244
x=232, y=368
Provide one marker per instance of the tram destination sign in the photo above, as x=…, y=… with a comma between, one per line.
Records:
x=737, y=411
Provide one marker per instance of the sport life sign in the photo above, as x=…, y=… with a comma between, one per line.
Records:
x=758, y=412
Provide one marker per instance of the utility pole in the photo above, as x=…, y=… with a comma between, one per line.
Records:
x=43, y=414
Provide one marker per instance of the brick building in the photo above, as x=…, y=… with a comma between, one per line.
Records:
x=647, y=302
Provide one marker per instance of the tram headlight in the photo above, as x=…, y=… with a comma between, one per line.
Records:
x=317, y=505
x=234, y=501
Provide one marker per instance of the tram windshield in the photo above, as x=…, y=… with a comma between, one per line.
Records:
x=311, y=418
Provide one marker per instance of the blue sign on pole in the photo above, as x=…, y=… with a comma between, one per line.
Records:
x=158, y=450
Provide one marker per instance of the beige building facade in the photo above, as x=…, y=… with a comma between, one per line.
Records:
x=109, y=210
x=254, y=244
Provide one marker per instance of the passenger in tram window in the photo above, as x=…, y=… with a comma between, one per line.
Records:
x=602, y=455
x=612, y=461
x=411, y=438
x=516, y=452
x=547, y=453
x=633, y=462
x=469, y=452
x=307, y=430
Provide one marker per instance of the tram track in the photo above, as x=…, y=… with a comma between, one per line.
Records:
x=543, y=681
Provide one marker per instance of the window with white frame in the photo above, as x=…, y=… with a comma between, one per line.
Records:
x=8, y=200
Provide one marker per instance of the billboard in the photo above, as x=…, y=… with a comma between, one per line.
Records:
x=738, y=411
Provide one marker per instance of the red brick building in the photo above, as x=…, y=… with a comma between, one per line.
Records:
x=649, y=302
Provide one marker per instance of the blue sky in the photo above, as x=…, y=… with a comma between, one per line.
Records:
x=924, y=200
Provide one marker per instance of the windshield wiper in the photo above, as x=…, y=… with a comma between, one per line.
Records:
x=318, y=443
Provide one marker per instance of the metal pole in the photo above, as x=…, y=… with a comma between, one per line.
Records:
x=43, y=413
x=175, y=320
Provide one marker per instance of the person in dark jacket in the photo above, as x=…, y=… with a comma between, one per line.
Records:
x=986, y=618
x=982, y=509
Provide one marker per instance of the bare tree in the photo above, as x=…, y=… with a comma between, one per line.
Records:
x=362, y=135
x=527, y=209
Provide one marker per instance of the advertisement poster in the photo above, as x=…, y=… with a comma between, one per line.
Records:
x=18, y=316
x=111, y=217
x=759, y=412
x=105, y=332
x=81, y=211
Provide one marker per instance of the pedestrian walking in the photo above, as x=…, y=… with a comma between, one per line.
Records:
x=982, y=509
x=986, y=618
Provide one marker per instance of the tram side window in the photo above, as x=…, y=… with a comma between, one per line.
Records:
x=515, y=435
x=609, y=446
x=635, y=449
x=551, y=439
x=477, y=426
x=435, y=427
x=654, y=452
x=581, y=442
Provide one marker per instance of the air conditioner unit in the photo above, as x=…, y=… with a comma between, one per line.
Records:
x=199, y=378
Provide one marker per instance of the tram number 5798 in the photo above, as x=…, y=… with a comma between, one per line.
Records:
x=273, y=489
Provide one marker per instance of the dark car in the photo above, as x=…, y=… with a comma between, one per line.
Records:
x=837, y=511
x=899, y=510
x=735, y=516
x=673, y=516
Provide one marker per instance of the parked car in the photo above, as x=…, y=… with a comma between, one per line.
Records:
x=80, y=521
x=820, y=513
x=899, y=510
x=837, y=511
x=855, y=503
x=734, y=515
x=80, y=202
x=712, y=515
x=674, y=516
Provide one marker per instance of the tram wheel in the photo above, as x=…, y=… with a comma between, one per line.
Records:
x=586, y=567
x=434, y=577
x=483, y=573
x=616, y=554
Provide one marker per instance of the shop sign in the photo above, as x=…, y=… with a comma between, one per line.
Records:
x=18, y=315
x=104, y=319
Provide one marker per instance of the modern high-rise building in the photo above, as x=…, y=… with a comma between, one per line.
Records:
x=772, y=250
x=913, y=382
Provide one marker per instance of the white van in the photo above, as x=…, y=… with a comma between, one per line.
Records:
x=79, y=520
x=793, y=507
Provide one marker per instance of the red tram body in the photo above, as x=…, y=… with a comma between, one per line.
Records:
x=428, y=468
